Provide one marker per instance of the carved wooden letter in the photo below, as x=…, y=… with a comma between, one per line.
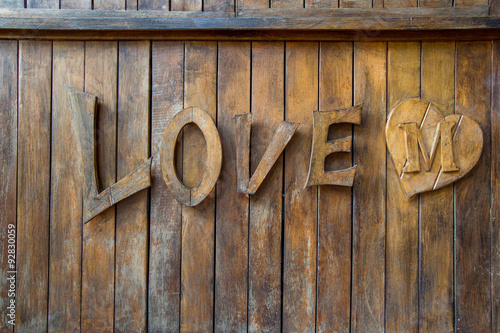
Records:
x=321, y=147
x=83, y=109
x=413, y=139
x=280, y=139
x=191, y=197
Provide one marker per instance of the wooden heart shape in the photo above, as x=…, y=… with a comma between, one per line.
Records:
x=464, y=142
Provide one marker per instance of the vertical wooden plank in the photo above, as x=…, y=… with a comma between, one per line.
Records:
x=166, y=211
x=356, y=3
x=231, y=239
x=369, y=189
x=101, y=64
x=436, y=207
x=8, y=176
x=472, y=193
x=47, y=4
x=334, y=247
x=435, y=3
x=301, y=205
x=253, y=4
x=186, y=5
x=76, y=4
x=33, y=187
x=198, y=222
x=153, y=4
x=264, y=298
x=109, y=4
x=463, y=3
x=218, y=5
x=132, y=213
x=65, y=195
x=321, y=4
x=402, y=216
x=400, y=3
x=287, y=3
x=12, y=4
x=495, y=209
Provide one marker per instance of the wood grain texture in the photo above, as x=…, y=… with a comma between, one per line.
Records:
x=286, y=3
x=436, y=208
x=301, y=205
x=435, y=3
x=495, y=188
x=265, y=229
x=8, y=174
x=402, y=236
x=186, y=5
x=369, y=217
x=162, y=5
x=465, y=3
x=473, y=258
x=356, y=3
x=400, y=3
x=334, y=230
x=98, y=276
x=231, y=239
x=254, y=4
x=12, y=4
x=132, y=213
x=198, y=223
x=108, y=4
x=33, y=187
x=224, y=6
x=166, y=211
x=66, y=194
x=321, y=4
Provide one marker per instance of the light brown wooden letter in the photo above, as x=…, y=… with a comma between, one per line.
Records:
x=321, y=147
x=83, y=110
x=187, y=196
x=280, y=139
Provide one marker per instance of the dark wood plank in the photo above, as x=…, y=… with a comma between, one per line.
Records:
x=464, y=3
x=186, y=5
x=98, y=278
x=231, y=239
x=400, y=3
x=402, y=229
x=369, y=189
x=166, y=211
x=66, y=195
x=472, y=194
x=495, y=7
x=301, y=205
x=219, y=6
x=495, y=208
x=435, y=3
x=264, y=298
x=33, y=187
x=356, y=3
x=198, y=222
x=321, y=4
x=8, y=178
x=334, y=247
x=436, y=207
x=132, y=213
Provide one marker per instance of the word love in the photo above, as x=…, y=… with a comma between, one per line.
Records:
x=83, y=112
x=415, y=124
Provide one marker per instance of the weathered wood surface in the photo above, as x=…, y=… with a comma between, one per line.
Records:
x=300, y=204
x=369, y=189
x=436, y=208
x=8, y=173
x=265, y=217
x=33, y=185
x=402, y=228
x=495, y=189
x=334, y=221
x=198, y=223
x=231, y=238
x=132, y=213
x=473, y=252
x=235, y=249
x=165, y=212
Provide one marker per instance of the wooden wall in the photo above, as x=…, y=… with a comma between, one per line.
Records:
x=325, y=259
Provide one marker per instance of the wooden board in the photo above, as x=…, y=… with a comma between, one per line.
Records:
x=8, y=174
x=265, y=221
x=231, y=239
x=132, y=213
x=98, y=276
x=300, y=204
x=33, y=187
x=402, y=255
x=473, y=257
x=66, y=214
x=436, y=207
x=495, y=202
x=198, y=223
x=369, y=216
x=334, y=229
x=166, y=211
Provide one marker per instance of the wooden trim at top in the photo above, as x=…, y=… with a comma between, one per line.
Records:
x=278, y=24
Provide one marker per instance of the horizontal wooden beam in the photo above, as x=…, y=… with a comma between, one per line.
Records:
x=321, y=24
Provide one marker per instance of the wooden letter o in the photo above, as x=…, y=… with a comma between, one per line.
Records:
x=191, y=197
